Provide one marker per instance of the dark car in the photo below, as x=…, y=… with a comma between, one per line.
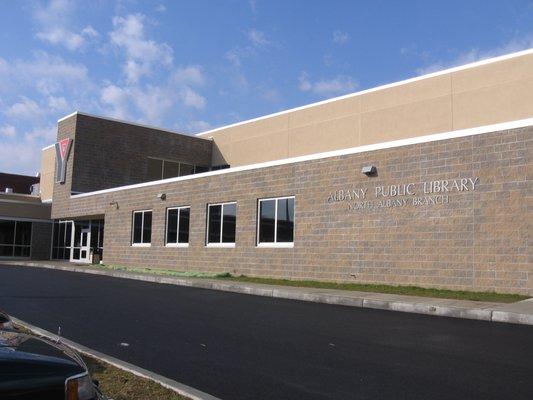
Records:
x=5, y=321
x=36, y=368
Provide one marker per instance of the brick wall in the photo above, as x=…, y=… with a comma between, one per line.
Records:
x=41, y=240
x=476, y=240
x=109, y=153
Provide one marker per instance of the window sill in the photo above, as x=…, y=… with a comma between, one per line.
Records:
x=222, y=245
x=283, y=245
x=177, y=245
x=141, y=244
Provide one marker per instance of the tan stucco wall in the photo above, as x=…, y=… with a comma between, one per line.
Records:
x=48, y=165
x=486, y=94
x=23, y=206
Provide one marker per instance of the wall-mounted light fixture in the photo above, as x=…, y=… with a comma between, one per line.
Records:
x=162, y=196
x=369, y=170
x=114, y=204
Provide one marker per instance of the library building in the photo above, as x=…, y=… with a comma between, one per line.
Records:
x=426, y=182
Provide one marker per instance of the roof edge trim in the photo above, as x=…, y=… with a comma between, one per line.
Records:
x=158, y=128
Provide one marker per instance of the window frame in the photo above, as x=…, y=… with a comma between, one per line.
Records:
x=178, y=243
x=180, y=164
x=62, y=243
x=221, y=243
x=141, y=244
x=14, y=245
x=275, y=243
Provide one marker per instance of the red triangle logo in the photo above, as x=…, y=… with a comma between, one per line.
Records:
x=63, y=146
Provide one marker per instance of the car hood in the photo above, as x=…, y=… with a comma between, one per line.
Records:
x=29, y=361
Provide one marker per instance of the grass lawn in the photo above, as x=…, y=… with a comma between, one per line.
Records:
x=118, y=384
x=361, y=287
x=389, y=289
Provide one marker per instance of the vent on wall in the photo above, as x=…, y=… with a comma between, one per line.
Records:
x=35, y=189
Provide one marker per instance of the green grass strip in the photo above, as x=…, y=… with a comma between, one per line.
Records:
x=360, y=287
x=388, y=289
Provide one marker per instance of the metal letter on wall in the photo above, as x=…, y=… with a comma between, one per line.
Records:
x=62, y=152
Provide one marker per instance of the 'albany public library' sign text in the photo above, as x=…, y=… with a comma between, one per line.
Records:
x=404, y=194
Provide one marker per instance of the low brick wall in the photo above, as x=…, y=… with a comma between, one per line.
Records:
x=459, y=218
x=41, y=240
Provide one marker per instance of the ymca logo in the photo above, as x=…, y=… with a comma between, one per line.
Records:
x=62, y=152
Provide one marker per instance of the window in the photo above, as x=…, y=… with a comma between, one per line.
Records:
x=15, y=238
x=170, y=169
x=142, y=228
x=276, y=222
x=163, y=169
x=186, y=169
x=221, y=222
x=198, y=169
x=155, y=169
x=62, y=240
x=178, y=226
x=217, y=167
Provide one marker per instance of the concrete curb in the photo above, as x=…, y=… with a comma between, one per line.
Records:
x=483, y=311
x=512, y=318
x=179, y=388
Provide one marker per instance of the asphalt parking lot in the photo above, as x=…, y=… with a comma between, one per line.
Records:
x=236, y=346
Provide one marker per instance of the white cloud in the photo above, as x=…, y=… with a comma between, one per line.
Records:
x=236, y=56
x=186, y=78
x=257, y=38
x=340, y=37
x=303, y=82
x=57, y=103
x=191, y=98
x=142, y=54
x=71, y=41
x=19, y=157
x=253, y=6
x=258, y=42
x=199, y=126
x=90, y=31
x=55, y=21
x=151, y=103
x=341, y=84
x=233, y=57
x=23, y=154
x=161, y=8
x=8, y=130
x=190, y=75
x=117, y=99
x=154, y=102
x=271, y=94
x=48, y=74
x=25, y=109
x=476, y=54
x=46, y=134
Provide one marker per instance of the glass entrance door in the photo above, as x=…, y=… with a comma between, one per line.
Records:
x=85, y=249
x=81, y=249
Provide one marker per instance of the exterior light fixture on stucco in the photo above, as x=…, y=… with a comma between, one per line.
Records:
x=114, y=204
x=369, y=170
x=162, y=196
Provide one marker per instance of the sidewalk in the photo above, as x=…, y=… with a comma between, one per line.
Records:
x=517, y=313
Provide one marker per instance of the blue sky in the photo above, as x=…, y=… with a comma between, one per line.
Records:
x=193, y=65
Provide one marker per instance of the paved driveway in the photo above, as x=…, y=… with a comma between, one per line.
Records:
x=246, y=347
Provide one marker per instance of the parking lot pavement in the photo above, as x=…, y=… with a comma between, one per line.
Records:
x=236, y=346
